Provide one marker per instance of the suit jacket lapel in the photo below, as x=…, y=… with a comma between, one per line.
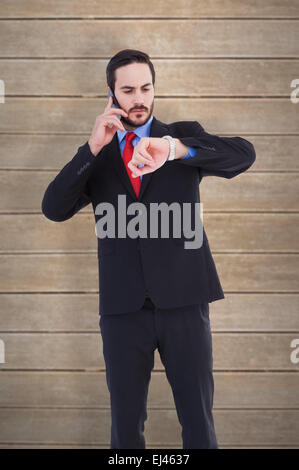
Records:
x=158, y=129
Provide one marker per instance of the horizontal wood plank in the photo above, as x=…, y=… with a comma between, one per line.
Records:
x=227, y=232
x=51, y=152
x=79, y=272
x=238, y=116
x=245, y=192
x=87, y=77
x=233, y=427
x=44, y=38
x=64, y=312
x=232, y=351
x=247, y=390
x=154, y=9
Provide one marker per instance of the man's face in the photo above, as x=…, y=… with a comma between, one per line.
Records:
x=134, y=90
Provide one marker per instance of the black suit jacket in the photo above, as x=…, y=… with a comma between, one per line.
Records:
x=131, y=268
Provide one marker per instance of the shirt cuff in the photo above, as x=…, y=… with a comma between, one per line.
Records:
x=191, y=152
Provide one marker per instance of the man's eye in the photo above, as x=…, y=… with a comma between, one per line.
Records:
x=145, y=89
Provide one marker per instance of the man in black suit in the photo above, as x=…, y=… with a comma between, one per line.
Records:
x=154, y=290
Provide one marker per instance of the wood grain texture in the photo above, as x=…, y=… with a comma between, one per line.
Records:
x=52, y=152
x=71, y=389
x=231, y=38
x=174, y=77
x=79, y=272
x=227, y=232
x=246, y=192
x=154, y=9
x=228, y=65
x=233, y=427
x=64, y=312
x=83, y=351
x=239, y=116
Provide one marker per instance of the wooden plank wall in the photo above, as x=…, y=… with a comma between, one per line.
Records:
x=228, y=65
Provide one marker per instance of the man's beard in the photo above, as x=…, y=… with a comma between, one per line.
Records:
x=131, y=123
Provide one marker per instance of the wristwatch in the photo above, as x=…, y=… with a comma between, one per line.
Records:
x=172, y=146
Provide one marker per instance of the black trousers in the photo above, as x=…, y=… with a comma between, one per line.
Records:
x=183, y=338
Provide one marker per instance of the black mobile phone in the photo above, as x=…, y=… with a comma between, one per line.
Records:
x=115, y=103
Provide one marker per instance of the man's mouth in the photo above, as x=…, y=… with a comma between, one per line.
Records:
x=138, y=111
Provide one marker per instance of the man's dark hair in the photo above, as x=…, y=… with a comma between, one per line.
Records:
x=125, y=57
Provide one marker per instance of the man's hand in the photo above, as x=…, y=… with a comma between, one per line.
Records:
x=153, y=152
x=102, y=134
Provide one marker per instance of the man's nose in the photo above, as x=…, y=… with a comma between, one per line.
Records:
x=138, y=100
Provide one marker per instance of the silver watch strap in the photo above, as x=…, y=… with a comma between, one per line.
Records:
x=172, y=146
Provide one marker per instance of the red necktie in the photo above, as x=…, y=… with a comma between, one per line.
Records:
x=127, y=157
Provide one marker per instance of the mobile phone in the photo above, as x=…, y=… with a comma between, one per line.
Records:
x=115, y=103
